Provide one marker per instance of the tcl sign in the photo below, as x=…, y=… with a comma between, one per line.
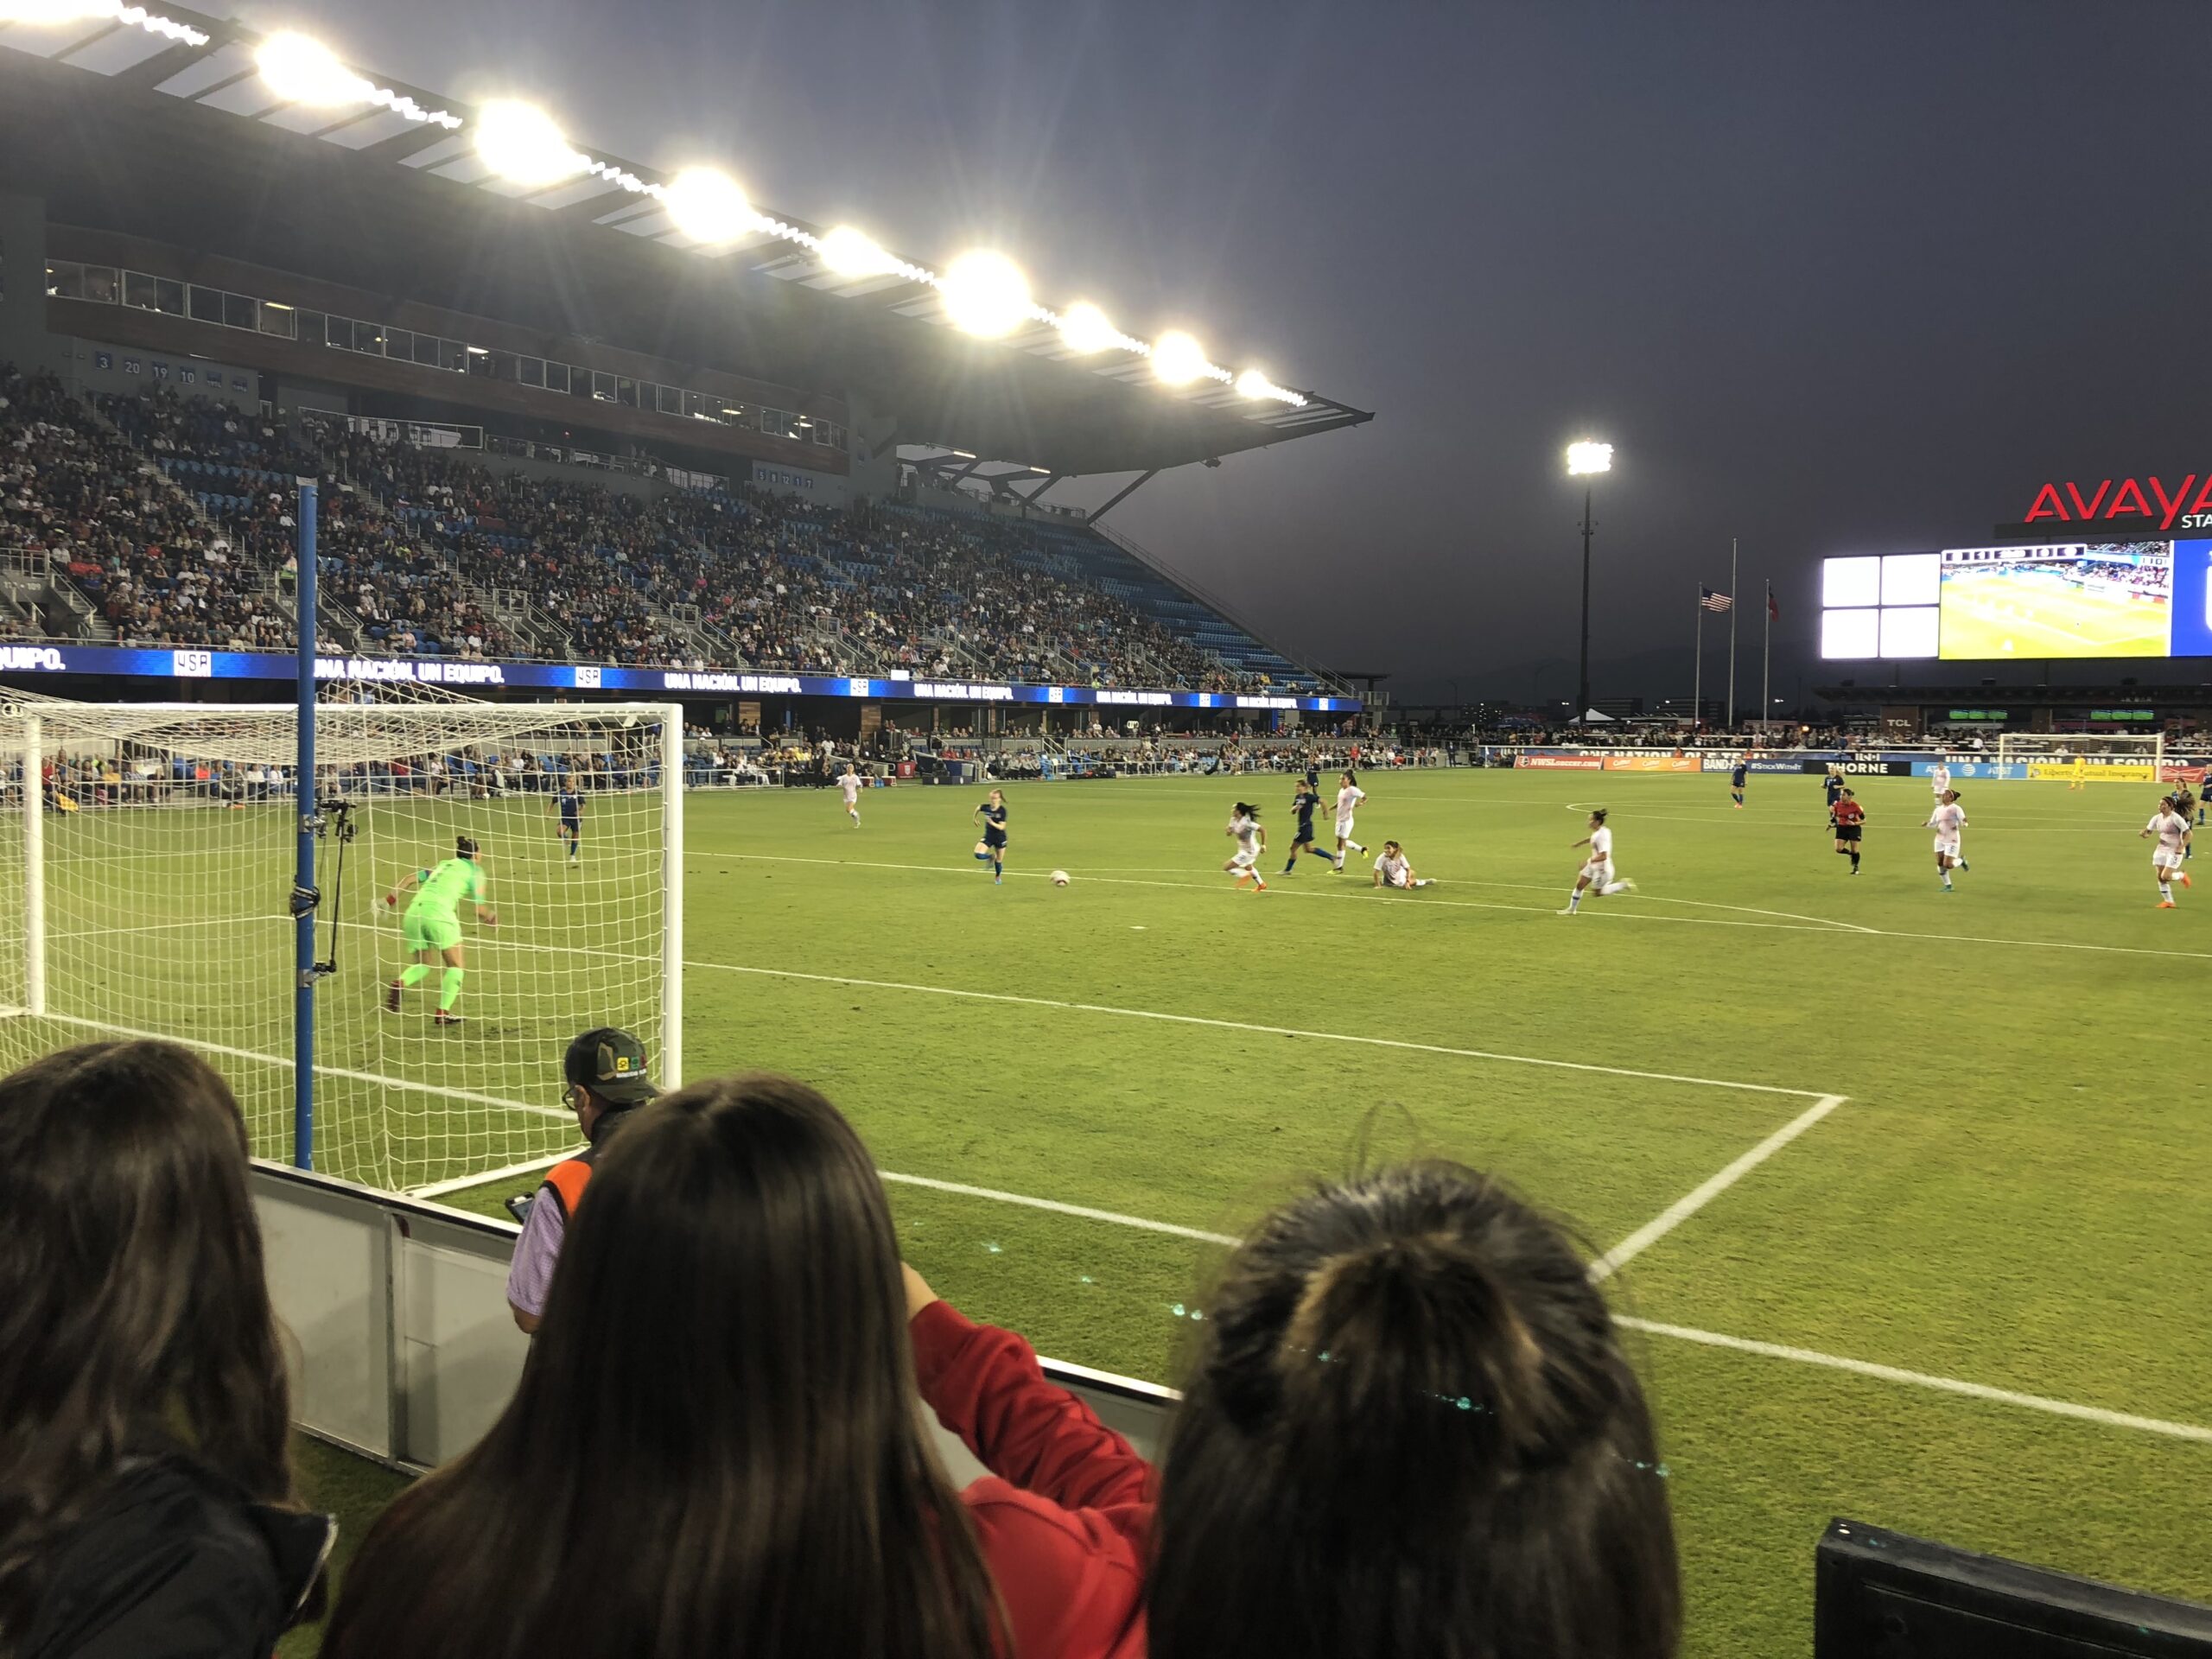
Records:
x=2066, y=502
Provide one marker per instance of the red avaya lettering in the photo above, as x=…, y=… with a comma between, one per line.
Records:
x=2095, y=501
x=2170, y=507
x=2203, y=502
x=2131, y=491
x=2056, y=510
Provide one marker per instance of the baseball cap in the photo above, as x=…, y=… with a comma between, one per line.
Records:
x=611, y=1062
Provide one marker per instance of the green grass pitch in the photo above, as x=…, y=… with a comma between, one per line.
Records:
x=2013, y=1192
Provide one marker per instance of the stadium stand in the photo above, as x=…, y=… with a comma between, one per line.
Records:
x=170, y=520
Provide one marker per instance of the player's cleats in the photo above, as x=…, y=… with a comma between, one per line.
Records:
x=1964, y=865
x=2185, y=881
x=2166, y=904
x=445, y=1017
x=1569, y=910
x=392, y=997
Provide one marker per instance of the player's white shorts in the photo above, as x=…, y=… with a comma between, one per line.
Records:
x=1597, y=875
x=1947, y=845
x=2166, y=860
x=1402, y=879
x=1245, y=857
x=1343, y=829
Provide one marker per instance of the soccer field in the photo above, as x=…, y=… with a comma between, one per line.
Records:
x=1995, y=613
x=1910, y=1187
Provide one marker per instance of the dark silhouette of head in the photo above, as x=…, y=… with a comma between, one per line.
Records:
x=134, y=1306
x=1410, y=1431
x=714, y=1447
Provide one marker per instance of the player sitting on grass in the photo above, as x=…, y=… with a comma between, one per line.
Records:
x=1847, y=817
x=1598, y=868
x=432, y=925
x=2170, y=825
x=1391, y=870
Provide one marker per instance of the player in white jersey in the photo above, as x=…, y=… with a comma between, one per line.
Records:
x=1244, y=829
x=1946, y=821
x=850, y=783
x=1597, y=869
x=1349, y=796
x=1394, y=870
x=1939, y=779
x=2171, y=829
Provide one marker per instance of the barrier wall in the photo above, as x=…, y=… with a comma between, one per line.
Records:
x=1855, y=763
x=405, y=1348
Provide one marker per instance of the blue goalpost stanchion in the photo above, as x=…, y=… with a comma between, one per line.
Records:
x=303, y=875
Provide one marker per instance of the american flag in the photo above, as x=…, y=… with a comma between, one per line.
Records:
x=1713, y=601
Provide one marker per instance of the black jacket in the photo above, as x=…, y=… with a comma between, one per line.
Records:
x=174, y=1564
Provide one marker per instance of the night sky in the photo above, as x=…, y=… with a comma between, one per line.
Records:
x=1832, y=277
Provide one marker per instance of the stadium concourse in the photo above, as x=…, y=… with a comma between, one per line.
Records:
x=173, y=519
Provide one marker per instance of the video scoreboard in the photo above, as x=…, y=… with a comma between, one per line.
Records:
x=2042, y=600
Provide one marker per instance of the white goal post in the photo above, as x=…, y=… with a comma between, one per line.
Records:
x=146, y=860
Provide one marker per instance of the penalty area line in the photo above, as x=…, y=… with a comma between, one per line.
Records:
x=1256, y=1029
x=1683, y=1208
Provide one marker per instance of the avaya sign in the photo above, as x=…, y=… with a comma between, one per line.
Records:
x=2178, y=510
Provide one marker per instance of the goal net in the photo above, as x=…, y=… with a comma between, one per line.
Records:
x=2147, y=748
x=146, y=856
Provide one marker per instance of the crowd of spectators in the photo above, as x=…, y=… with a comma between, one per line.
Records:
x=175, y=515
x=75, y=492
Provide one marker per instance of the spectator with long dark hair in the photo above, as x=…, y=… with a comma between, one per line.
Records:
x=714, y=1447
x=145, y=1502
x=1411, y=1431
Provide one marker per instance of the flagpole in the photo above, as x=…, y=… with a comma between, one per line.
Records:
x=1732, y=591
x=1697, y=674
x=1766, y=663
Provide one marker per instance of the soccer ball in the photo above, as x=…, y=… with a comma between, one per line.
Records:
x=1059, y=877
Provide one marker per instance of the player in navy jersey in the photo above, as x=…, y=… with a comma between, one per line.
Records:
x=992, y=848
x=1304, y=804
x=1831, y=785
x=570, y=805
x=1736, y=780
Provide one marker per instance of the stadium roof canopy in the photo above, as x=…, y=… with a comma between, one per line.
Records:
x=124, y=130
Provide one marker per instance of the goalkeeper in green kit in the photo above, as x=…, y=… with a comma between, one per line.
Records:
x=432, y=925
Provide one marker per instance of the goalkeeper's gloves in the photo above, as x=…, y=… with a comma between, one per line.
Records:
x=390, y=900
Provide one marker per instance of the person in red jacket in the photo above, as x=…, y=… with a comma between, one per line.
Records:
x=715, y=1446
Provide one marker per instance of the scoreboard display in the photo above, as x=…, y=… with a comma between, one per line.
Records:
x=2056, y=599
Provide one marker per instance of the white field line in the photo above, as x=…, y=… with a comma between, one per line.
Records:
x=1683, y=1208
x=320, y=1071
x=1921, y=1380
x=439, y=1189
x=1053, y=1003
x=1425, y=902
x=1112, y=1217
x=1254, y=1027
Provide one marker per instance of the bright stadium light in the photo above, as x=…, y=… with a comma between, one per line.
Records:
x=851, y=252
x=304, y=71
x=708, y=206
x=1085, y=329
x=1178, y=359
x=520, y=143
x=1589, y=458
x=985, y=293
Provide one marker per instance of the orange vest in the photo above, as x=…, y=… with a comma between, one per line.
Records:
x=566, y=1180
